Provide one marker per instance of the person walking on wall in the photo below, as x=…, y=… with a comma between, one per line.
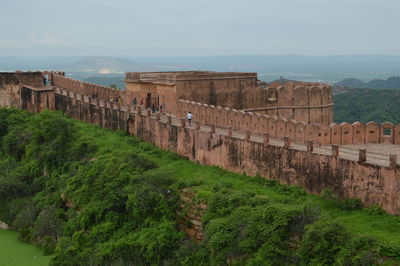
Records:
x=189, y=117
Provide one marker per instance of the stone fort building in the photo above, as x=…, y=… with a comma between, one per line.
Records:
x=305, y=102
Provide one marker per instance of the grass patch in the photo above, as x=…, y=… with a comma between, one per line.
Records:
x=16, y=253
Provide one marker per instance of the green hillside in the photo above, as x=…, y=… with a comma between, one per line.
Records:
x=93, y=196
x=389, y=83
x=366, y=105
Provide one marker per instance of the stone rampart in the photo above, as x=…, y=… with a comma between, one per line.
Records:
x=314, y=169
x=86, y=88
x=92, y=110
x=305, y=102
x=373, y=184
x=11, y=83
x=301, y=132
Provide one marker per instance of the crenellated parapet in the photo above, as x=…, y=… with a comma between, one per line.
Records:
x=306, y=102
x=86, y=88
x=30, y=90
x=299, y=131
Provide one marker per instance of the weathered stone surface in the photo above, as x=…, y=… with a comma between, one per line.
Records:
x=193, y=211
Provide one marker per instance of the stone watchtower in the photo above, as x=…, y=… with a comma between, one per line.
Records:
x=301, y=101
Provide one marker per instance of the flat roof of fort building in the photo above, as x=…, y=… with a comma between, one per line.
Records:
x=171, y=78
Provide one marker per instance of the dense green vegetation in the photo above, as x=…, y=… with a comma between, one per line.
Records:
x=366, y=105
x=96, y=197
x=16, y=253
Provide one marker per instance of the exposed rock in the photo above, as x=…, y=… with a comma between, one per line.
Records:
x=4, y=226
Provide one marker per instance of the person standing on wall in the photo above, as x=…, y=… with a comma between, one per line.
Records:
x=44, y=80
x=189, y=117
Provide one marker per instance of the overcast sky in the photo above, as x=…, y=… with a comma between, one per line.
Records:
x=200, y=27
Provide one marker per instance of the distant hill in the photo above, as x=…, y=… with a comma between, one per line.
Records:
x=113, y=65
x=366, y=105
x=105, y=65
x=390, y=83
x=351, y=83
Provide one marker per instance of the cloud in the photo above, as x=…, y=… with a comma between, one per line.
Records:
x=47, y=39
x=6, y=43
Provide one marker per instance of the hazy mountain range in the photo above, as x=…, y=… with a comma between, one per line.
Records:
x=104, y=65
x=328, y=69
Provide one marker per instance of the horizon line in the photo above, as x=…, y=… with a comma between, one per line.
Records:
x=216, y=55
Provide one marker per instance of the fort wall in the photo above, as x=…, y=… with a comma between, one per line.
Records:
x=373, y=184
x=315, y=172
x=303, y=104
x=211, y=142
x=10, y=86
x=299, y=131
x=233, y=90
x=86, y=88
x=92, y=110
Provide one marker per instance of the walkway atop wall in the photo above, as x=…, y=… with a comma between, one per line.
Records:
x=376, y=154
x=35, y=88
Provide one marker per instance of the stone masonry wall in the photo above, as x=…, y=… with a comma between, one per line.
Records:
x=373, y=184
x=10, y=86
x=303, y=102
x=103, y=113
x=301, y=132
x=86, y=88
x=297, y=110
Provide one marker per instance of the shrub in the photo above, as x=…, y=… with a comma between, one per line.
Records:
x=375, y=210
x=322, y=242
x=343, y=204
